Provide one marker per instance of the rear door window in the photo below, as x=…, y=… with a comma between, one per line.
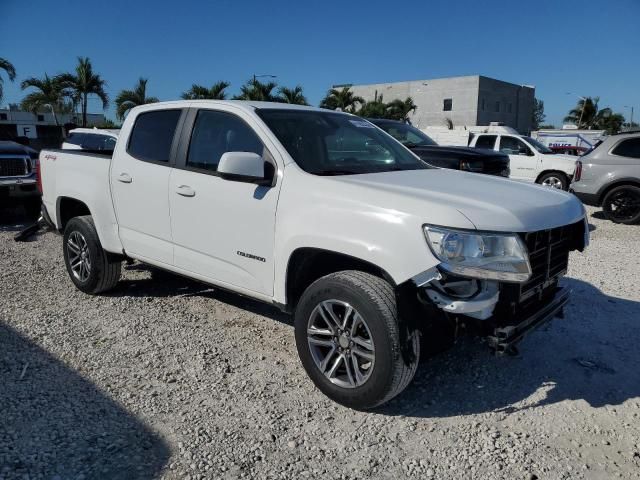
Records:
x=628, y=148
x=152, y=135
x=486, y=141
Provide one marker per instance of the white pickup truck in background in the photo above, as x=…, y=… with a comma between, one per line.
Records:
x=529, y=160
x=324, y=215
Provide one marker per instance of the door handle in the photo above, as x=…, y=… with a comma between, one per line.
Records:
x=185, y=191
x=125, y=178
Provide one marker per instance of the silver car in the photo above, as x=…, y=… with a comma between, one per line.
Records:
x=609, y=176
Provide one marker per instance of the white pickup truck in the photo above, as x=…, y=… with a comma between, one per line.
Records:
x=529, y=160
x=324, y=215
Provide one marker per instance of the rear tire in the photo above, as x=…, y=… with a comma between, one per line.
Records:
x=556, y=180
x=357, y=357
x=622, y=204
x=91, y=269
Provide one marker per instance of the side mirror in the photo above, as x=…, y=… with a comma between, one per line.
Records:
x=245, y=167
x=524, y=151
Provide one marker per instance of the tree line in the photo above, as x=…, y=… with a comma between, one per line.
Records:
x=66, y=92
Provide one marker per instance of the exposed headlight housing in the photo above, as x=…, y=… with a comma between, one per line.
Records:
x=485, y=255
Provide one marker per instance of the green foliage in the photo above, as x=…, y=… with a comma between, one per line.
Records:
x=546, y=127
x=47, y=95
x=84, y=82
x=128, y=99
x=257, y=91
x=394, y=110
x=587, y=115
x=537, y=116
x=198, y=92
x=10, y=70
x=343, y=99
x=292, y=95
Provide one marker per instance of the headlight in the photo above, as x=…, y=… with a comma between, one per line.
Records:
x=491, y=256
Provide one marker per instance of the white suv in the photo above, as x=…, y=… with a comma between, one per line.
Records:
x=529, y=160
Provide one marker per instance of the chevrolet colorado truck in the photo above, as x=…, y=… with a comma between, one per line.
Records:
x=368, y=248
x=18, y=167
x=530, y=160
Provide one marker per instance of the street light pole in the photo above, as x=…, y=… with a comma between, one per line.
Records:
x=263, y=75
x=631, y=119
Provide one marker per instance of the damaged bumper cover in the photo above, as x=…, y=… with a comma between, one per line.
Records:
x=504, y=338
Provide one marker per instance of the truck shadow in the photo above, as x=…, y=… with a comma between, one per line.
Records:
x=54, y=423
x=591, y=355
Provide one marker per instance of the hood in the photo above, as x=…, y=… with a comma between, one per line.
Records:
x=461, y=152
x=490, y=203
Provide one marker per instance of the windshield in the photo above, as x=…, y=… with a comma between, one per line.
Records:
x=538, y=146
x=329, y=143
x=407, y=134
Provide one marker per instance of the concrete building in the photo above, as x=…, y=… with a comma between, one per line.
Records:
x=467, y=101
x=39, y=128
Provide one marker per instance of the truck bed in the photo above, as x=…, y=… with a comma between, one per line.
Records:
x=84, y=177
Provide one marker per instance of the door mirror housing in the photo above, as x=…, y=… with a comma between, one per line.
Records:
x=247, y=167
x=525, y=151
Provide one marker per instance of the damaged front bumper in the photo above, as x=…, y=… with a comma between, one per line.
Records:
x=506, y=337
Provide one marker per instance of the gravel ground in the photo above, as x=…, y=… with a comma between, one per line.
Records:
x=167, y=378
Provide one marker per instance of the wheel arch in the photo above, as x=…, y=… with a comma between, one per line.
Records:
x=615, y=184
x=68, y=208
x=307, y=264
x=552, y=170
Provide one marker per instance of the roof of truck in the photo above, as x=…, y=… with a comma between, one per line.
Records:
x=245, y=104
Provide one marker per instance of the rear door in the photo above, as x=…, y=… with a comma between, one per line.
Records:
x=222, y=230
x=523, y=161
x=139, y=182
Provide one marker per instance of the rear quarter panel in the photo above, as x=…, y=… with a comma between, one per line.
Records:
x=83, y=177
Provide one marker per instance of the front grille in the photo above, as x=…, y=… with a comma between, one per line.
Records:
x=13, y=167
x=549, y=259
x=549, y=255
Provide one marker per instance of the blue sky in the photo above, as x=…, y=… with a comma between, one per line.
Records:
x=588, y=47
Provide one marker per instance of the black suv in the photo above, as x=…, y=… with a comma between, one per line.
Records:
x=456, y=158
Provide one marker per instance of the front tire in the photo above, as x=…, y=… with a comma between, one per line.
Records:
x=350, y=340
x=554, y=180
x=91, y=269
x=622, y=204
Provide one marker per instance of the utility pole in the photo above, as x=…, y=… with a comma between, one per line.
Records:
x=631, y=119
x=584, y=102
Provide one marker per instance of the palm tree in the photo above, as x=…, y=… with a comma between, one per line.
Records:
x=585, y=112
x=48, y=94
x=292, y=95
x=198, y=92
x=10, y=70
x=400, y=109
x=84, y=83
x=256, y=90
x=374, y=109
x=343, y=99
x=127, y=99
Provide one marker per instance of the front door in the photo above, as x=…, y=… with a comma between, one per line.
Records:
x=139, y=183
x=222, y=230
x=522, y=159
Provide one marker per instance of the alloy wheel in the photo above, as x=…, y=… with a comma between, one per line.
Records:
x=341, y=343
x=624, y=205
x=553, y=182
x=79, y=259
